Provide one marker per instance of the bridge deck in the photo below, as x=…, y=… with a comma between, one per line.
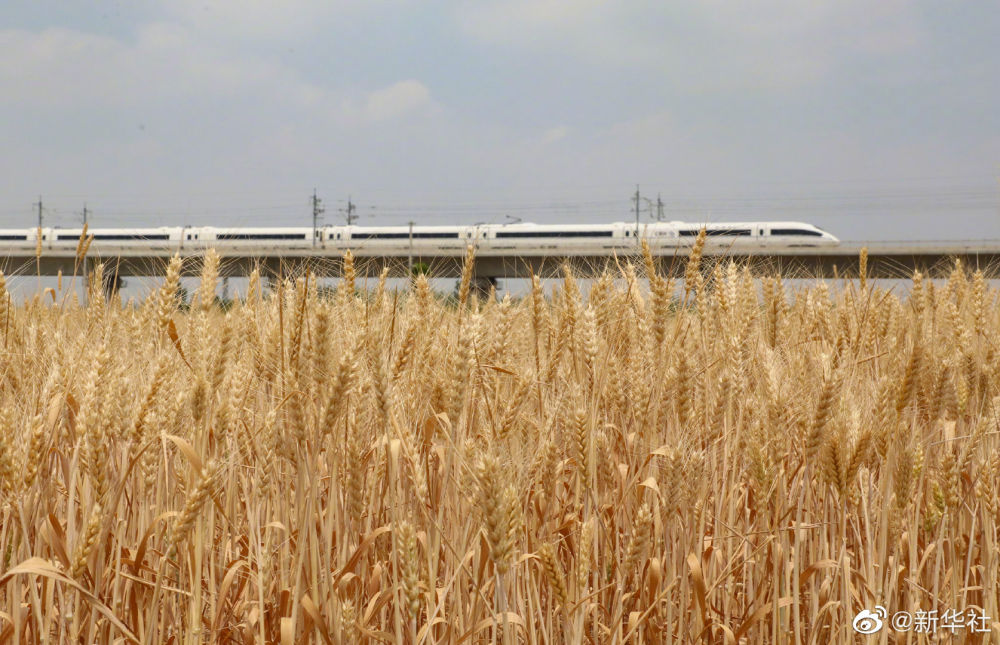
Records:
x=885, y=260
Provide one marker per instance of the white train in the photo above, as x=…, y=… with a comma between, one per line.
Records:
x=489, y=239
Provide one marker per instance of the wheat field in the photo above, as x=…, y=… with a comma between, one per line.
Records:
x=716, y=459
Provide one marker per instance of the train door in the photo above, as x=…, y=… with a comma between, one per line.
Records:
x=662, y=236
x=489, y=233
x=763, y=232
x=668, y=236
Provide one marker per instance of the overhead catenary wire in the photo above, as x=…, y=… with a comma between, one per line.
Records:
x=829, y=199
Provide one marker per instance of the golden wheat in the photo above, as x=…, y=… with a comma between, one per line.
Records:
x=723, y=460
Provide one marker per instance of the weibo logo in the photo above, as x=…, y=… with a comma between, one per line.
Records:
x=869, y=622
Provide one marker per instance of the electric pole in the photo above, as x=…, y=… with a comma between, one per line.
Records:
x=39, y=212
x=318, y=210
x=349, y=211
x=637, y=215
x=410, y=259
x=86, y=275
x=659, y=208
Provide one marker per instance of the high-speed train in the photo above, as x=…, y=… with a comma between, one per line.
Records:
x=488, y=239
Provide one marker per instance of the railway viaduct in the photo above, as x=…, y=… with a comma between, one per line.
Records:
x=885, y=260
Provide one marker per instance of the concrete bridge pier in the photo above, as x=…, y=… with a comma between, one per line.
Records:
x=111, y=278
x=482, y=286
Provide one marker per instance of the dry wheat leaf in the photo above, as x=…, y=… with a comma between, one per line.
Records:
x=40, y=567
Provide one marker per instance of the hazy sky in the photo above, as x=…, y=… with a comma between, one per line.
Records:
x=873, y=119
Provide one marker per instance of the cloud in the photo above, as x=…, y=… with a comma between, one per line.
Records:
x=61, y=67
x=167, y=67
x=583, y=28
x=555, y=134
x=396, y=100
x=166, y=111
x=245, y=13
x=716, y=45
x=263, y=20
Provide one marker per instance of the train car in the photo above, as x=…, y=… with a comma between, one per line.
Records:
x=404, y=240
x=568, y=239
x=20, y=239
x=251, y=238
x=115, y=239
x=781, y=235
x=739, y=236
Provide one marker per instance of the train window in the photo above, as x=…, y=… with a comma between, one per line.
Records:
x=129, y=236
x=189, y=236
x=260, y=236
x=690, y=232
x=555, y=233
x=795, y=231
x=405, y=236
x=13, y=237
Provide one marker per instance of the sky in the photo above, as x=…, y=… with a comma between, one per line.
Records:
x=874, y=120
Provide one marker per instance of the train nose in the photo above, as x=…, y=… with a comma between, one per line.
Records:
x=830, y=239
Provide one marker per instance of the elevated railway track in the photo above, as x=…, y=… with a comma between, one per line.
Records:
x=885, y=260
